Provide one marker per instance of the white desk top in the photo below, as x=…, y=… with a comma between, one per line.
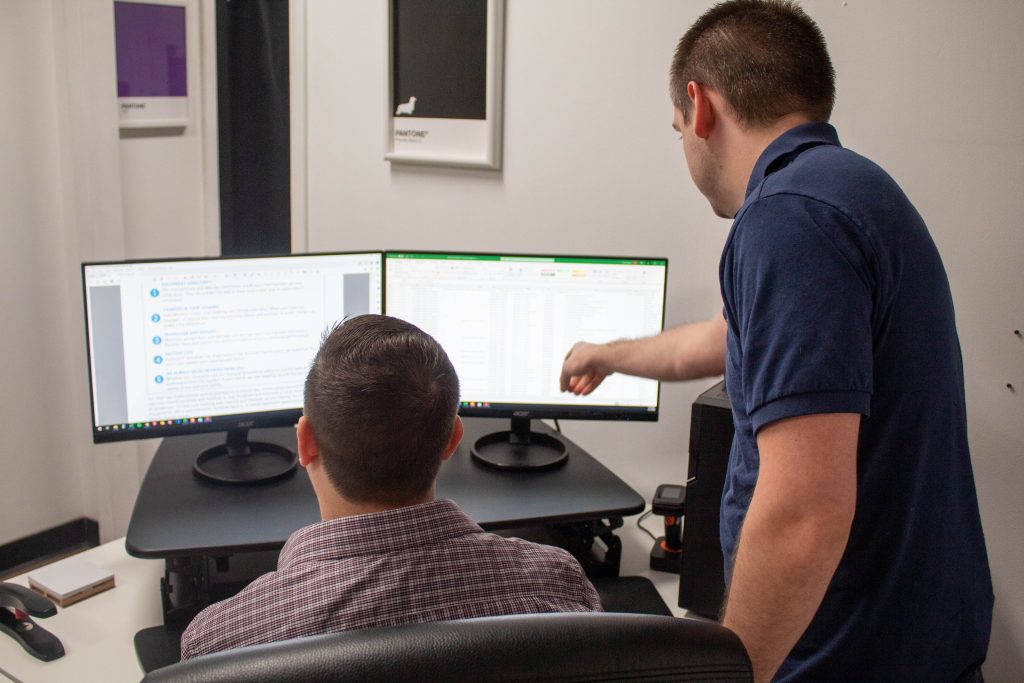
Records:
x=98, y=632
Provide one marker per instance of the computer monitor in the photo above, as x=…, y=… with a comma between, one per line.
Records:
x=216, y=344
x=507, y=322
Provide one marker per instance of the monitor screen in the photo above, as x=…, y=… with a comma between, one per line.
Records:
x=184, y=346
x=508, y=320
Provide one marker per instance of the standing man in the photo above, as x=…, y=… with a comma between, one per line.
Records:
x=850, y=525
x=380, y=418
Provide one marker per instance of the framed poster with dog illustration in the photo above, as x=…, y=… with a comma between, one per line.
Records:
x=444, y=77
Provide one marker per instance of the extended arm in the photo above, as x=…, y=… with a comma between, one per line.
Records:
x=794, y=533
x=685, y=352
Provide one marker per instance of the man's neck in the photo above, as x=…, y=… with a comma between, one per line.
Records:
x=335, y=507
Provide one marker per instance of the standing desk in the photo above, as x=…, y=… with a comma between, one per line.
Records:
x=214, y=539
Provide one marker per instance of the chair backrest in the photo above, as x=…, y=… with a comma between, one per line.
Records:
x=534, y=647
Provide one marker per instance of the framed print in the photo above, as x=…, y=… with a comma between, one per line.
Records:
x=445, y=82
x=152, y=83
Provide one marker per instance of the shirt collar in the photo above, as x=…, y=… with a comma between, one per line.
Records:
x=377, y=532
x=785, y=148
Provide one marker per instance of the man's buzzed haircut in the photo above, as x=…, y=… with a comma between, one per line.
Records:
x=767, y=58
x=381, y=398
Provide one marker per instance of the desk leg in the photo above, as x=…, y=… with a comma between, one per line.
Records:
x=594, y=544
x=184, y=588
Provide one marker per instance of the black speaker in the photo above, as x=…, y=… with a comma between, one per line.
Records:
x=701, y=572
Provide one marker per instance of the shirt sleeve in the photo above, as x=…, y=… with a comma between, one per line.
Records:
x=802, y=306
x=568, y=583
x=591, y=599
x=194, y=641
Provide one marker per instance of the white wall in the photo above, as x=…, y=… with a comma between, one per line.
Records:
x=33, y=275
x=931, y=90
x=72, y=190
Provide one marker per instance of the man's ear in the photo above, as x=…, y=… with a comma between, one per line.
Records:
x=703, y=111
x=457, y=431
x=308, y=450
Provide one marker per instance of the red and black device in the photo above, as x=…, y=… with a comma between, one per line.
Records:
x=669, y=502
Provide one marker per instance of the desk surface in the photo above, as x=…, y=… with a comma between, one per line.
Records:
x=177, y=514
x=97, y=632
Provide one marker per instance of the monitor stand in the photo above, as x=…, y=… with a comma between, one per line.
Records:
x=519, y=449
x=239, y=462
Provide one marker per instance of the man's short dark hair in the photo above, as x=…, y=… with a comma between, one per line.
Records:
x=767, y=58
x=381, y=398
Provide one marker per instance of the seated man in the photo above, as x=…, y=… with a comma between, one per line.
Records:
x=380, y=418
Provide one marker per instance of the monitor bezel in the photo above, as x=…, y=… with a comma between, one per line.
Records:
x=217, y=423
x=548, y=411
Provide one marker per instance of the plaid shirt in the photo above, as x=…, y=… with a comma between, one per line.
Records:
x=421, y=563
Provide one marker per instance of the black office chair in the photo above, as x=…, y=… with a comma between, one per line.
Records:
x=533, y=647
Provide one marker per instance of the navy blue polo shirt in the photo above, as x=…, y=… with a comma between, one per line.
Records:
x=837, y=301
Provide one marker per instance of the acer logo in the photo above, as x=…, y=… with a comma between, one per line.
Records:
x=247, y=423
x=521, y=413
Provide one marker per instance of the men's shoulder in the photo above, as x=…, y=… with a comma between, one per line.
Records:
x=549, y=571
x=784, y=231
x=539, y=551
x=235, y=622
x=536, y=561
x=837, y=177
x=828, y=199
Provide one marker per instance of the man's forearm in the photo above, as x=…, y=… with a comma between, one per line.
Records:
x=778, y=582
x=794, y=533
x=691, y=351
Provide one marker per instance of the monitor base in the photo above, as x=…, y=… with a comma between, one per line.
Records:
x=519, y=449
x=239, y=462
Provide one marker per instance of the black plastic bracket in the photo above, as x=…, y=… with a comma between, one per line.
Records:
x=184, y=588
x=594, y=544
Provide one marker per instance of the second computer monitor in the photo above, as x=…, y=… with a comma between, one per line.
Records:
x=507, y=322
